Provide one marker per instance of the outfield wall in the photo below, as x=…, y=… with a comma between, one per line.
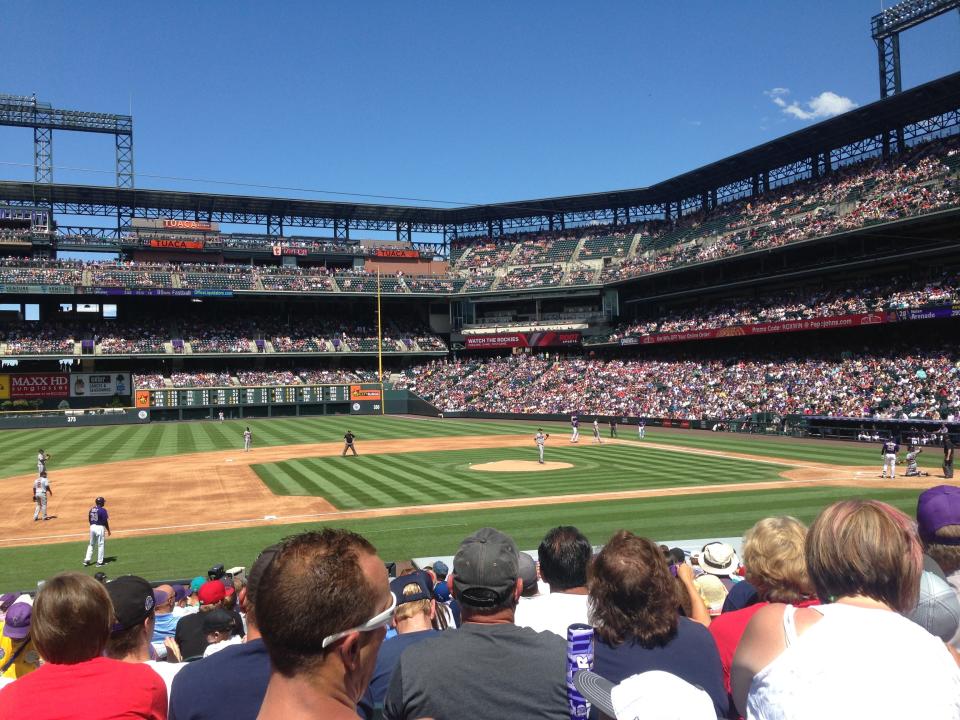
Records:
x=73, y=418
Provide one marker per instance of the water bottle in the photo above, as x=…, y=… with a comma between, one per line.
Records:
x=579, y=657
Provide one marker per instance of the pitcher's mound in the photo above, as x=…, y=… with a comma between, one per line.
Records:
x=520, y=466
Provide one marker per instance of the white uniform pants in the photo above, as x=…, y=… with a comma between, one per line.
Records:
x=540, y=448
x=889, y=460
x=40, y=509
x=246, y=444
x=98, y=535
x=576, y=435
x=641, y=431
x=596, y=437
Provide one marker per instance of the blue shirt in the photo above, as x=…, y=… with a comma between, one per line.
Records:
x=387, y=660
x=229, y=685
x=691, y=654
x=164, y=627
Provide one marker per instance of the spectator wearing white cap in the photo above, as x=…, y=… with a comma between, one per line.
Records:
x=653, y=695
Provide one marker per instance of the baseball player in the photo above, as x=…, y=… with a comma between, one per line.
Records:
x=220, y=415
x=889, y=453
x=348, y=444
x=247, y=439
x=613, y=427
x=99, y=523
x=912, y=469
x=41, y=488
x=596, y=431
x=541, y=440
x=575, y=429
x=42, y=458
x=641, y=428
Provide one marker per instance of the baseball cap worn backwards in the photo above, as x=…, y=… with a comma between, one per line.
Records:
x=418, y=578
x=132, y=599
x=936, y=508
x=485, y=569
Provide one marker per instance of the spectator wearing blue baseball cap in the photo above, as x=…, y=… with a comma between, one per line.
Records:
x=414, y=620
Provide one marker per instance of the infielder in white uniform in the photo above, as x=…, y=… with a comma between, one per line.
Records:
x=42, y=458
x=541, y=440
x=574, y=429
x=247, y=439
x=641, y=429
x=596, y=431
x=41, y=488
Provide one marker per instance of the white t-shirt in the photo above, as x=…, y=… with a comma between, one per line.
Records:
x=858, y=663
x=217, y=647
x=167, y=671
x=552, y=612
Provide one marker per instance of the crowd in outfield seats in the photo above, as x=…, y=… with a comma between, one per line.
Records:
x=252, y=378
x=200, y=379
x=901, y=384
x=317, y=628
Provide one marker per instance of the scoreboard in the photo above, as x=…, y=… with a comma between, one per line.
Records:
x=270, y=395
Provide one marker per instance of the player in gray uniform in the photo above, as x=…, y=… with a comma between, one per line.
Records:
x=41, y=488
x=541, y=440
x=247, y=439
x=641, y=428
x=912, y=469
x=596, y=431
x=42, y=458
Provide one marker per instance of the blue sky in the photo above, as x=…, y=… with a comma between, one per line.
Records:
x=463, y=102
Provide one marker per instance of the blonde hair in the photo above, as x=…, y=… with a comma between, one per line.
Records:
x=773, y=555
x=411, y=609
x=865, y=547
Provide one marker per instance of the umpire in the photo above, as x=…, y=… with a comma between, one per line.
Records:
x=348, y=444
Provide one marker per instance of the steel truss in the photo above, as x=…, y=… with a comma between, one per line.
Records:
x=885, y=28
x=23, y=111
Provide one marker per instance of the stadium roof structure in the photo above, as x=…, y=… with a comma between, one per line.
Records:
x=878, y=129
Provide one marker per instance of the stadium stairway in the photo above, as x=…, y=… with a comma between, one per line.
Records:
x=576, y=251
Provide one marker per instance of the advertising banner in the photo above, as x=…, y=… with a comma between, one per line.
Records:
x=549, y=338
x=99, y=384
x=158, y=292
x=279, y=249
x=358, y=392
x=395, y=253
x=193, y=225
x=823, y=323
x=143, y=399
x=39, y=385
x=4, y=387
x=170, y=243
x=930, y=313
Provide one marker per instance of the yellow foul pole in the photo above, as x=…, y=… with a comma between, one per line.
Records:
x=383, y=403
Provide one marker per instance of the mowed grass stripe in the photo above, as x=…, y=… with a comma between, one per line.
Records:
x=429, y=486
x=110, y=445
x=389, y=492
x=456, y=487
x=347, y=491
x=433, y=535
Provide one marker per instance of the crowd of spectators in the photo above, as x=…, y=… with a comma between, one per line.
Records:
x=22, y=338
x=223, y=336
x=921, y=384
x=18, y=271
x=317, y=628
x=855, y=298
x=149, y=381
x=200, y=379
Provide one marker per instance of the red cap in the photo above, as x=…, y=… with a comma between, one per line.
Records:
x=211, y=592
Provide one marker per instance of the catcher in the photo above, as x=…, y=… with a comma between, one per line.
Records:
x=541, y=440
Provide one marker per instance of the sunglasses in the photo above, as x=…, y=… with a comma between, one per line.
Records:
x=376, y=622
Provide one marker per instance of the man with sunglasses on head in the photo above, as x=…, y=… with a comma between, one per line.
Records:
x=489, y=667
x=323, y=607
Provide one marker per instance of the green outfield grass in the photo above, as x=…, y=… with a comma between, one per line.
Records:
x=435, y=477
x=74, y=447
x=400, y=538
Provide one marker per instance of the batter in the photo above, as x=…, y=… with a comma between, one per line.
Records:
x=889, y=454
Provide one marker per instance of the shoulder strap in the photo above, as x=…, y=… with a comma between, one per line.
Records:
x=789, y=625
x=13, y=658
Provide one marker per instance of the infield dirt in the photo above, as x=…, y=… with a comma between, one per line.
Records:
x=218, y=490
